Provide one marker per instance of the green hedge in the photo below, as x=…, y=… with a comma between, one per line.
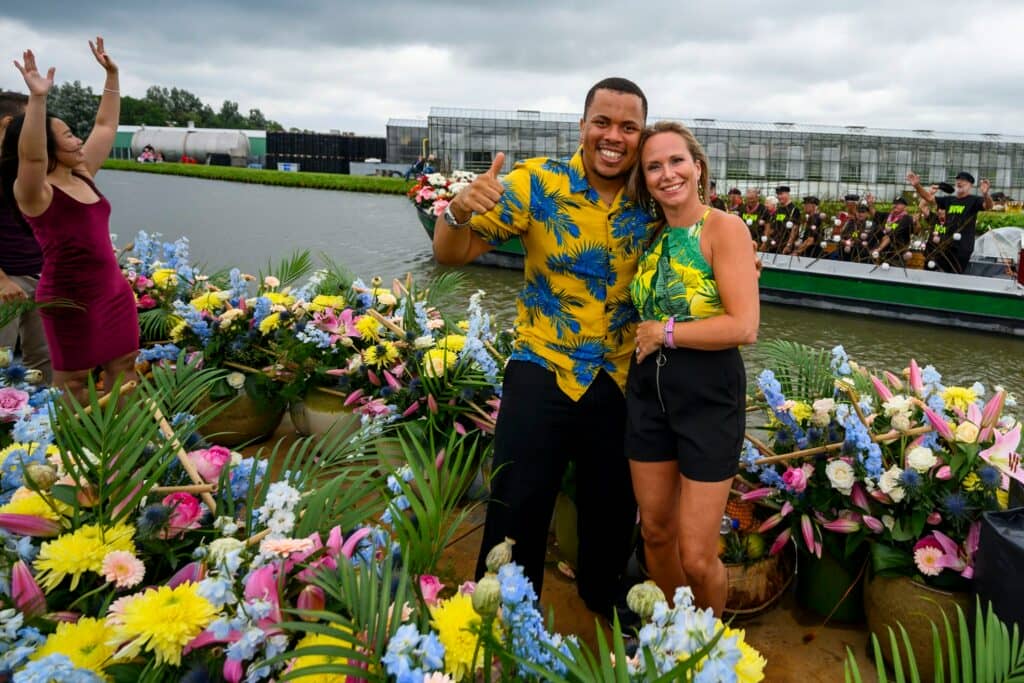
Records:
x=316, y=181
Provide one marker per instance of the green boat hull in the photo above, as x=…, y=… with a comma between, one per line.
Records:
x=990, y=304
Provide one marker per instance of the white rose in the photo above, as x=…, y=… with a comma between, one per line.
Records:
x=222, y=547
x=889, y=521
x=386, y=299
x=921, y=459
x=897, y=404
x=841, y=475
x=889, y=484
x=6, y=356
x=967, y=432
x=235, y=380
x=424, y=342
x=901, y=422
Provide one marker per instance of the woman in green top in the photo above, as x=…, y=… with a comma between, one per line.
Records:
x=696, y=291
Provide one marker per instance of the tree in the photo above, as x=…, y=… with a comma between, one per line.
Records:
x=75, y=105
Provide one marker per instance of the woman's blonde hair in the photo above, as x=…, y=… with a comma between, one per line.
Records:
x=638, y=185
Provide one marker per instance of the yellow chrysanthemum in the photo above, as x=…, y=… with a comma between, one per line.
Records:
x=369, y=328
x=78, y=552
x=1003, y=499
x=27, y=448
x=85, y=643
x=463, y=325
x=750, y=668
x=437, y=361
x=178, y=330
x=453, y=342
x=160, y=620
x=380, y=355
x=165, y=277
x=308, y=661
x=270, y=323
x=455, y=620
x=972, y=482
x=210, y=301
x=28, y=502
x=279, y=299
x=322, y=301
x=959, y=397
x=801, y=411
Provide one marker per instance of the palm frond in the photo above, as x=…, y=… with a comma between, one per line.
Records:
x=155, y=324
x=290, y=269
x=12, y=310
x=803, y=371
x=339, y=278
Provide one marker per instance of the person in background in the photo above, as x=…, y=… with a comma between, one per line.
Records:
x=752, y=213
x=810, y=232
x=735, y=201
x=787, y=219
x=856, y=235
x=696, y=292
x=896, y=232
x=429, y=166
x=416, y=169
x=714, y=201
x=21, y=261
x=961, y=215
x=769, y=241
x=48, y=174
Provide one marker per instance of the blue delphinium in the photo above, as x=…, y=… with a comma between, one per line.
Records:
x=858, y=441
x=840, y=362
x=55, y=667
x=411, y=655
x=240, y=475
x=159, y=352
x=17, y=641
x=525, y=633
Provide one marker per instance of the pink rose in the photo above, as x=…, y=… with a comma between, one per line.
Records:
x=210, y=461
x=185, y=513
x=143, y=283
x=13, y=403
x=146, y=302
x=795, y=479
x=430, y=586
x=439, y=206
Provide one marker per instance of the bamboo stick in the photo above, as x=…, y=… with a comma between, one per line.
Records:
x=193, y=473
x=102, y=401
x=387, y=323
x=189, y=488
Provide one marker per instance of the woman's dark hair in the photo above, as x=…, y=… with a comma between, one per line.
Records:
x=9, y=157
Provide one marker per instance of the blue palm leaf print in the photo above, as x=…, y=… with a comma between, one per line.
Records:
x=630, y=226
x=623, y=314
x=509, y=203
x=540, y=298
x=551, y=209
x=588, y=358
x=524, y=351
x=588, y=262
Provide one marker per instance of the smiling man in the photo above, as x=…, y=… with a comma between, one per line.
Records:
x=563, y=394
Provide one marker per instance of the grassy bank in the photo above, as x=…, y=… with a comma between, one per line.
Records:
x=315, y=181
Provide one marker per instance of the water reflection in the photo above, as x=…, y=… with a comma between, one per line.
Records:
x=237, y=224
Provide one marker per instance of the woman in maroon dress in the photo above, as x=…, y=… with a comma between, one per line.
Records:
x=48, y=173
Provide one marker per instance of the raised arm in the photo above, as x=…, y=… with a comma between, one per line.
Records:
x=915, y=181
x=986, y=198
x=31, y=191
x=104, y=132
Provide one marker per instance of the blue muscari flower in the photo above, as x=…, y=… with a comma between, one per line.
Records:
x=990, y=476
x=910, y=479
x=55, y=667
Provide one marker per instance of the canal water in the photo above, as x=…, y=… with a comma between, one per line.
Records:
x=235, y=224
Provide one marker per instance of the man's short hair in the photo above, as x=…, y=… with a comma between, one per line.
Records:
x=623, y=85
x=12, y=103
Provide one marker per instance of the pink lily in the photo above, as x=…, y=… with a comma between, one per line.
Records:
x=944, y=473
x=411, y=410
x=353, y=397
x=376, y=407
x=874, y=524
x=882, y=498
x=233, y=670
x=780, y=542
x=29, y=525
x=758, y=494
x=894, y=381
x=952, y=558
x=934, y=518
x=439, y=460
x=842, y=525
x=467, y=588
x=1002, y=454
x=432, y=404
x=880, y=388
x=859, y=497
x=311, y=598
x=26, y=593
x=193, y=571
x=971, y=547
x=372, y=376
x=261, y=584
x=994, y=407
x=460, y=429
x=974, y=414
x=916, y=383
x=939, y=424
x=430, y=587
x=392, y=382
x=338, y=546
x=807, y=529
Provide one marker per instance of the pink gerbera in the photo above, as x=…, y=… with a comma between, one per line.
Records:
x=123, y=569
x=284, y=547
x=929, y=560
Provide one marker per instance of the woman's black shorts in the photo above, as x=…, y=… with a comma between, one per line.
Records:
x=690, y=406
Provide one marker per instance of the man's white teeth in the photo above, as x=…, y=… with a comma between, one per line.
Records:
x=610, y=155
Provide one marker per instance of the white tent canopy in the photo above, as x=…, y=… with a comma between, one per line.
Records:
x=1001, y=243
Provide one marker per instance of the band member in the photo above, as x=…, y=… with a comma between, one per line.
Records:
x=735, y=201
x=812, y=230
x=962, y=214
x=713, y=199
x=787, y=219
x=857, y=236
x=896, y=232
x=753, y=214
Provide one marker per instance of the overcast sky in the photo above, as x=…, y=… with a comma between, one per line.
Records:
x=353, y=65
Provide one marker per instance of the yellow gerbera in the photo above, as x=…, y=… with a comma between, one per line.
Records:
x=369, y=328
x=165, y=277
x=455, y=622
x=279, y=299
x=28, y=502
x=270, y=323
x=160, y=620
x=959, y=397
x=210, y=301
x=84, y=643
x=78, y=552
x=381, y=354
x=323, y=301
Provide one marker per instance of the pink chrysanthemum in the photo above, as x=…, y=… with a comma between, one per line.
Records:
x=928, y=560
x=123, y=569
x=284, y=547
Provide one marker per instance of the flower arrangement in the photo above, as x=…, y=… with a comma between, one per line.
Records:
x=903, y=462
x=433, y=192
x=160, y=273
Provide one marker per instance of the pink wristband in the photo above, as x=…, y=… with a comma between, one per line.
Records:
x=670, y=326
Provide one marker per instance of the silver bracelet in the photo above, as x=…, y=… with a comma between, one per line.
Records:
x=116, y=92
